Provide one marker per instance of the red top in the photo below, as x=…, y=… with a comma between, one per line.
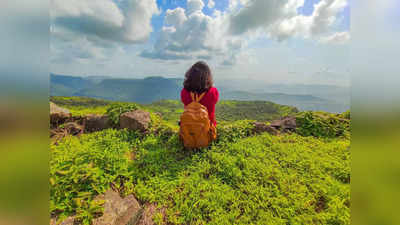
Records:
x=209, y=100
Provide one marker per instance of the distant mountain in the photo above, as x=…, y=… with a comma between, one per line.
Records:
x=340, y=94
x=61, y=85
x=152, y=89
x=136, y=90
x=303, y=102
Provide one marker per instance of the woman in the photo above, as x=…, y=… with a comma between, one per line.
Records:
x=198, y=79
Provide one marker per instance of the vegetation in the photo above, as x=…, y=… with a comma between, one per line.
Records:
x=242, y=178
x=80, y=106
x=321, y=124
x=172, y=109
x=281, y=179
x=115, y=110
x=81, y=168
x=254, y=110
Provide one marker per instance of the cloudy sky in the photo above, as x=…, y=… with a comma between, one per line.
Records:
x=276, y=41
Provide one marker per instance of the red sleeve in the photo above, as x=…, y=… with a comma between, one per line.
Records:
x=185, y=97
x=216, y=96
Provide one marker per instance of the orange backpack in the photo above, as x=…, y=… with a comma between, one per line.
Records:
x=196, y=130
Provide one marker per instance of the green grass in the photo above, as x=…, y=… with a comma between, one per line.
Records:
x=242, y=178
x=81, y=168
x=263, y=179
x=80, y=106
x=323, y=124
x=254, y=110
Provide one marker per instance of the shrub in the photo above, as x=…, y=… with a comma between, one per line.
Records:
x=115, y=110
x=320, y=124
x=233, y=131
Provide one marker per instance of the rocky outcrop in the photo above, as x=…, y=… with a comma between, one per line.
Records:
x=58, y=115
x=117, y=210
x=149, y=211
x=94, y=122
x=286, y=124
x=135, y=120
x=262, y=127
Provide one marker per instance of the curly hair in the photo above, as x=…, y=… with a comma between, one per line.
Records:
x=198, y=78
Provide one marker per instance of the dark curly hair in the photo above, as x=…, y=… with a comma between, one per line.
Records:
x=198, y=78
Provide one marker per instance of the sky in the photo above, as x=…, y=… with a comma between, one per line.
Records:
x=274, y=41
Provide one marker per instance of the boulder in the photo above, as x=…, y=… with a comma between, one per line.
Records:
x=262, y=127
x=135, y=120
x=58, y=115
x=287, y=123
x=94, y=122
x=117, y=210
x=68, y=221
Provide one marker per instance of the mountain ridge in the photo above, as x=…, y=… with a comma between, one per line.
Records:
x=154, y=88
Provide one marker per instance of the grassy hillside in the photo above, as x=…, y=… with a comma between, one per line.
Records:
x=172, y=109
x=242, y=178
x=262, y=179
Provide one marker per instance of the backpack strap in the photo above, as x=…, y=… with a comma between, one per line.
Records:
x=200, y=97
x=196, y=97
x=193, y=96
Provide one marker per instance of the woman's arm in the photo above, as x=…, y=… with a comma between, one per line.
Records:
x=185, y=97
x=216, y=96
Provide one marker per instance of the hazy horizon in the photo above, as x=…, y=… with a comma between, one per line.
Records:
x=264, y=82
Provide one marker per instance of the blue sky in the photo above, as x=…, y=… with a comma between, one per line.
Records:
x=238, y=38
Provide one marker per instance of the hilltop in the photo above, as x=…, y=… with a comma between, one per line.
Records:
x=248, y=176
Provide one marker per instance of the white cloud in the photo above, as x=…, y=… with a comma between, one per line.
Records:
x=211, y=4
x=175, y=17
x=190, y=33
x=194, y=35
x=325, y=13
x=336, y=38
x=86, y=30
x=194, y=6
x=280, y=19
x=129, y=21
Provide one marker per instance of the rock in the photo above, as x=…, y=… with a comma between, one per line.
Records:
x=135, y=120
x=73, y=128
x=94, y=122
x=69, y=221
x=262, y=127
x=58, y=115
x=149, y=211
x=117, y=210
x=287, y=123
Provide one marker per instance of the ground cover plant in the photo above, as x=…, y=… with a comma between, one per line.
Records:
x=242, y=178
x=322, y=124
